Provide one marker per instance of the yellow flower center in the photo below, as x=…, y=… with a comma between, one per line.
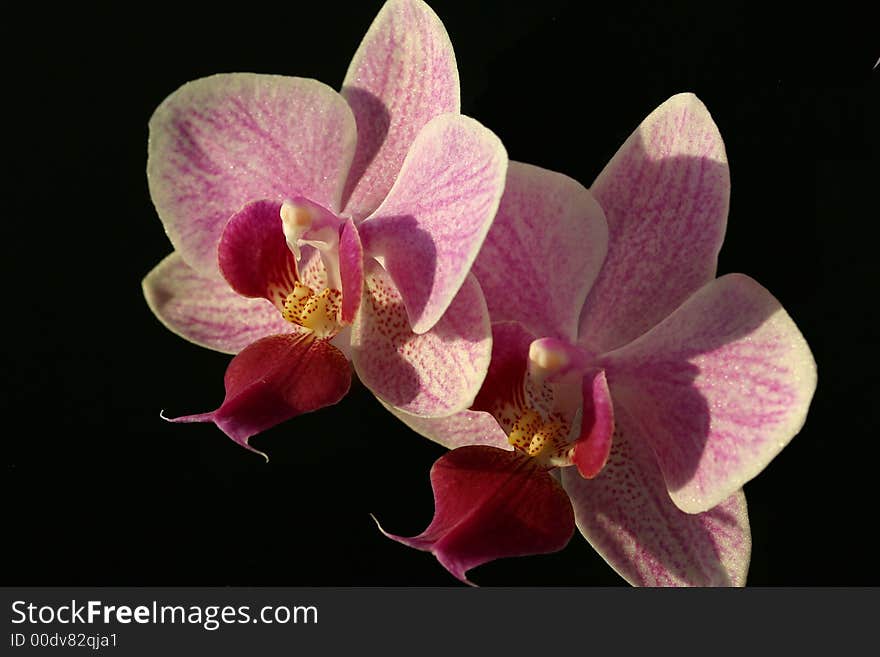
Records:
x=545, y=441
x=316, y=312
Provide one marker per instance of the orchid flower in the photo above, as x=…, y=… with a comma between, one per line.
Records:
x=631, y=393
x=311, y=227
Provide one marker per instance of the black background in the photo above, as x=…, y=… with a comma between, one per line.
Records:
x=101, y=491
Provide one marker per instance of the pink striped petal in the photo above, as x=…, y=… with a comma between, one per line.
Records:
x=402, y=75
x=543, y=252
x=626, y=515
x=253, y=253
x=464, y=428
x=351, y=270
x=436, y=373
x=665, y=195
x=205, y=311
x=428, y=230
x=488, y=504
x=593, y=445
x=275, y=379
x=717, y=389
x=222, y=141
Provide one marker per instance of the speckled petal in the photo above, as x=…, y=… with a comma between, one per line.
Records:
x=205, y=311
x=402, y=75
x=543, y=252
x=717, y=389
x=464, y=428
x=488, y=504
x=275, y=379
x=665, y=195
x=432, y=374
x=430, y=227
x=222, y=141
x=626, y=515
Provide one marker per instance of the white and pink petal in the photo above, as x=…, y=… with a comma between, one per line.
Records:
x=626, y=514
x=543, y=251
x=206, y=311
x=432, y=374
x=429, y=228
x=665, y=195
x=220, y=142
x=717, y=389
x=402, y=75
x=464, y=428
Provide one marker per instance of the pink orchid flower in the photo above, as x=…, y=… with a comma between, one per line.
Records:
x=287, y=203
x=637, y=391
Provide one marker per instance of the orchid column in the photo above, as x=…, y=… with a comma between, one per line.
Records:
x=310, y=227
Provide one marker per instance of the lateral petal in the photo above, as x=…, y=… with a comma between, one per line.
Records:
x=432, y=374
x=431, y=225
x=717, y=389
x=627, y=516
x=205, y=310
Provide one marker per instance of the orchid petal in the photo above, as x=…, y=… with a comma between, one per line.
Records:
x=351, y=269
x=665, y=195
x=543, y=252
x=717, y=389
x=459, y=430
x=488, y=504
x=402, y=75
x=593, y=446
x=222, y=141
x=430, y=227
x=627, y=516
x=433, y=374
x=275, y=379
x=205, y=311
x=253, y=254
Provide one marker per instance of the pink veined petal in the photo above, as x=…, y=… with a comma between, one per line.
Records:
x=543, y=252
x=205, y=311
x=432, y=374
x=351, y=270
x=222, y=141
x=593, y=445
x=488, y=504
x=253, y=253
x=431, y=225
x=665, y=195
x=464, y=428
x=626, y=515
x=717, y=389
x=402, y=75
x=275, y=379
